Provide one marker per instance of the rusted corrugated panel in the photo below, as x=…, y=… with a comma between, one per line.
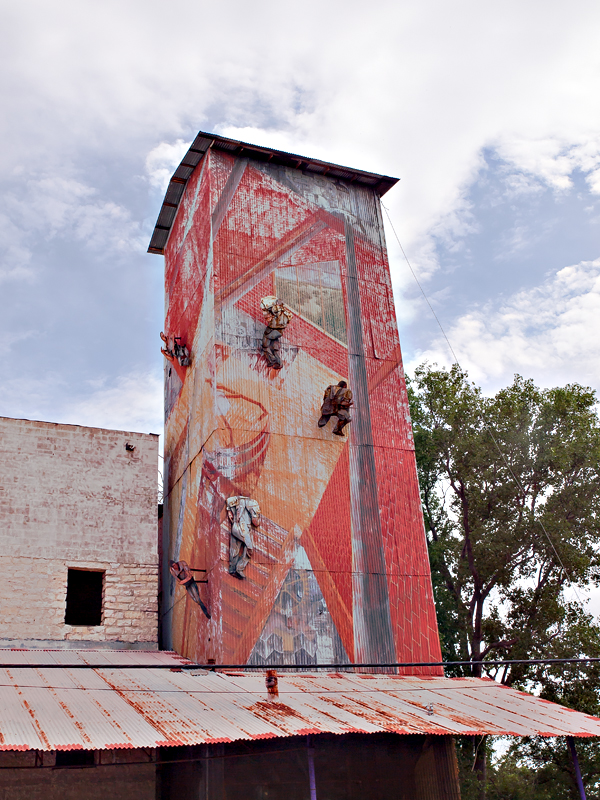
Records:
x=104, y=707
x=91, y=658
x=339, y=571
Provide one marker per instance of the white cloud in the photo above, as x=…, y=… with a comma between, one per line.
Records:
x=26, y=397
x=16, y=258
x=554, y=160
x=130, y=402
x=162, y=160
x=413, y=90
x=46, y=206
x=550, y=333
x=95, y=93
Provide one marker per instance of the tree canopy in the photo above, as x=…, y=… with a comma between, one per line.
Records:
x=510, y=486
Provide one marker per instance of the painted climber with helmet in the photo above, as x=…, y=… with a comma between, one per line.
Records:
x=336, y=403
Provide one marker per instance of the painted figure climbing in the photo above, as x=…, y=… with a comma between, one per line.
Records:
x=336, y=403
x=277, y=315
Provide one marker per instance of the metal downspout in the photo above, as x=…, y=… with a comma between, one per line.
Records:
x=576, y=767
x=311, y=769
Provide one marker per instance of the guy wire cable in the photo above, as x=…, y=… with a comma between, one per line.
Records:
x=485, y=424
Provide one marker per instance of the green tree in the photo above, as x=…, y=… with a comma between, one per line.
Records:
x=510, y=487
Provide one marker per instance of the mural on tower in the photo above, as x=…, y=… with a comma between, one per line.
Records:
x=310, y=531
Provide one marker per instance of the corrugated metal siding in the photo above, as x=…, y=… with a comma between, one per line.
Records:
x=104, y=708
x=341, y=516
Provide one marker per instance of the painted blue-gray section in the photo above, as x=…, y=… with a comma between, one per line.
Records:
x=373, y=634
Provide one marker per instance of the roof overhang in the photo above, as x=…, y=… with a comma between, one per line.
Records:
x=65, y=700
x=205, y=141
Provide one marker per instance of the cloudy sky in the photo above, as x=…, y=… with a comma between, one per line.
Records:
x=489, y=114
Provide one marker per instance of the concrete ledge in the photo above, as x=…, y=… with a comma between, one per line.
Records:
x=72, y=644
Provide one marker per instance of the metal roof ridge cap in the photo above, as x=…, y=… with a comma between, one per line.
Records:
x=302, y=159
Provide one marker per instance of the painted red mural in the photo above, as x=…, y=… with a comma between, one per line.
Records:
x=331, y=555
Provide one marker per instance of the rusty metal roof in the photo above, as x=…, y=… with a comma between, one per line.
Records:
x=105, y=707
x=205, y=141
x=89, y=658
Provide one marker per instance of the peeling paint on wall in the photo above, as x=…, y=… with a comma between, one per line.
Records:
x=339, y=571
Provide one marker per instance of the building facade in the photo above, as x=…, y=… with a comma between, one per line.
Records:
x=78, y=536
x=293, y=532
x=335, y=569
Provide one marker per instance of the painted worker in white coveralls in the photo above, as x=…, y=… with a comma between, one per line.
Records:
x=336, y=403
x=277, y=315
x=244, y=515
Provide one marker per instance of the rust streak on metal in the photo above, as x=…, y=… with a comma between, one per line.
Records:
x=155, y=707
x=272, y=710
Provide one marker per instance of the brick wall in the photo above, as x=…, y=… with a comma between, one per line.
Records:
x=118, y=775
x=75, y=497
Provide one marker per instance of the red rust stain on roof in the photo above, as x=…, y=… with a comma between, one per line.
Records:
x=31, y=713
x=171, y=743
x=376, y=717
x=119, y=746
x=273, y=710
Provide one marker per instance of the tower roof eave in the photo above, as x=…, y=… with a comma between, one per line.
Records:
x=205, y=141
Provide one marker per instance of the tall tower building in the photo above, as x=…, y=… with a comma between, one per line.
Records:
x=305, y=525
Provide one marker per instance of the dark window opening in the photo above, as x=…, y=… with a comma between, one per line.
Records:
x=75, y=758
x=84, y=597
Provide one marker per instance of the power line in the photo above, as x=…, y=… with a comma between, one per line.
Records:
x=304, y=668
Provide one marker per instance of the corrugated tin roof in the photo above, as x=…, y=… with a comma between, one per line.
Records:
x=105, y=707
x=204, y=141
x=90, y=658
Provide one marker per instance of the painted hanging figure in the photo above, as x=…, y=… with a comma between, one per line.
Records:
x=174, y=350
x=244, y=515
x=183, y=574
x=277, y=316
x=336, y=403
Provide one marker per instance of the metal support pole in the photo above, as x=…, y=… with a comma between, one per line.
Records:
x=311, y=769
x=578, y=778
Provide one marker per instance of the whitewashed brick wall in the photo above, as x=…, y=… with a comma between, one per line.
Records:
x=72, y=496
